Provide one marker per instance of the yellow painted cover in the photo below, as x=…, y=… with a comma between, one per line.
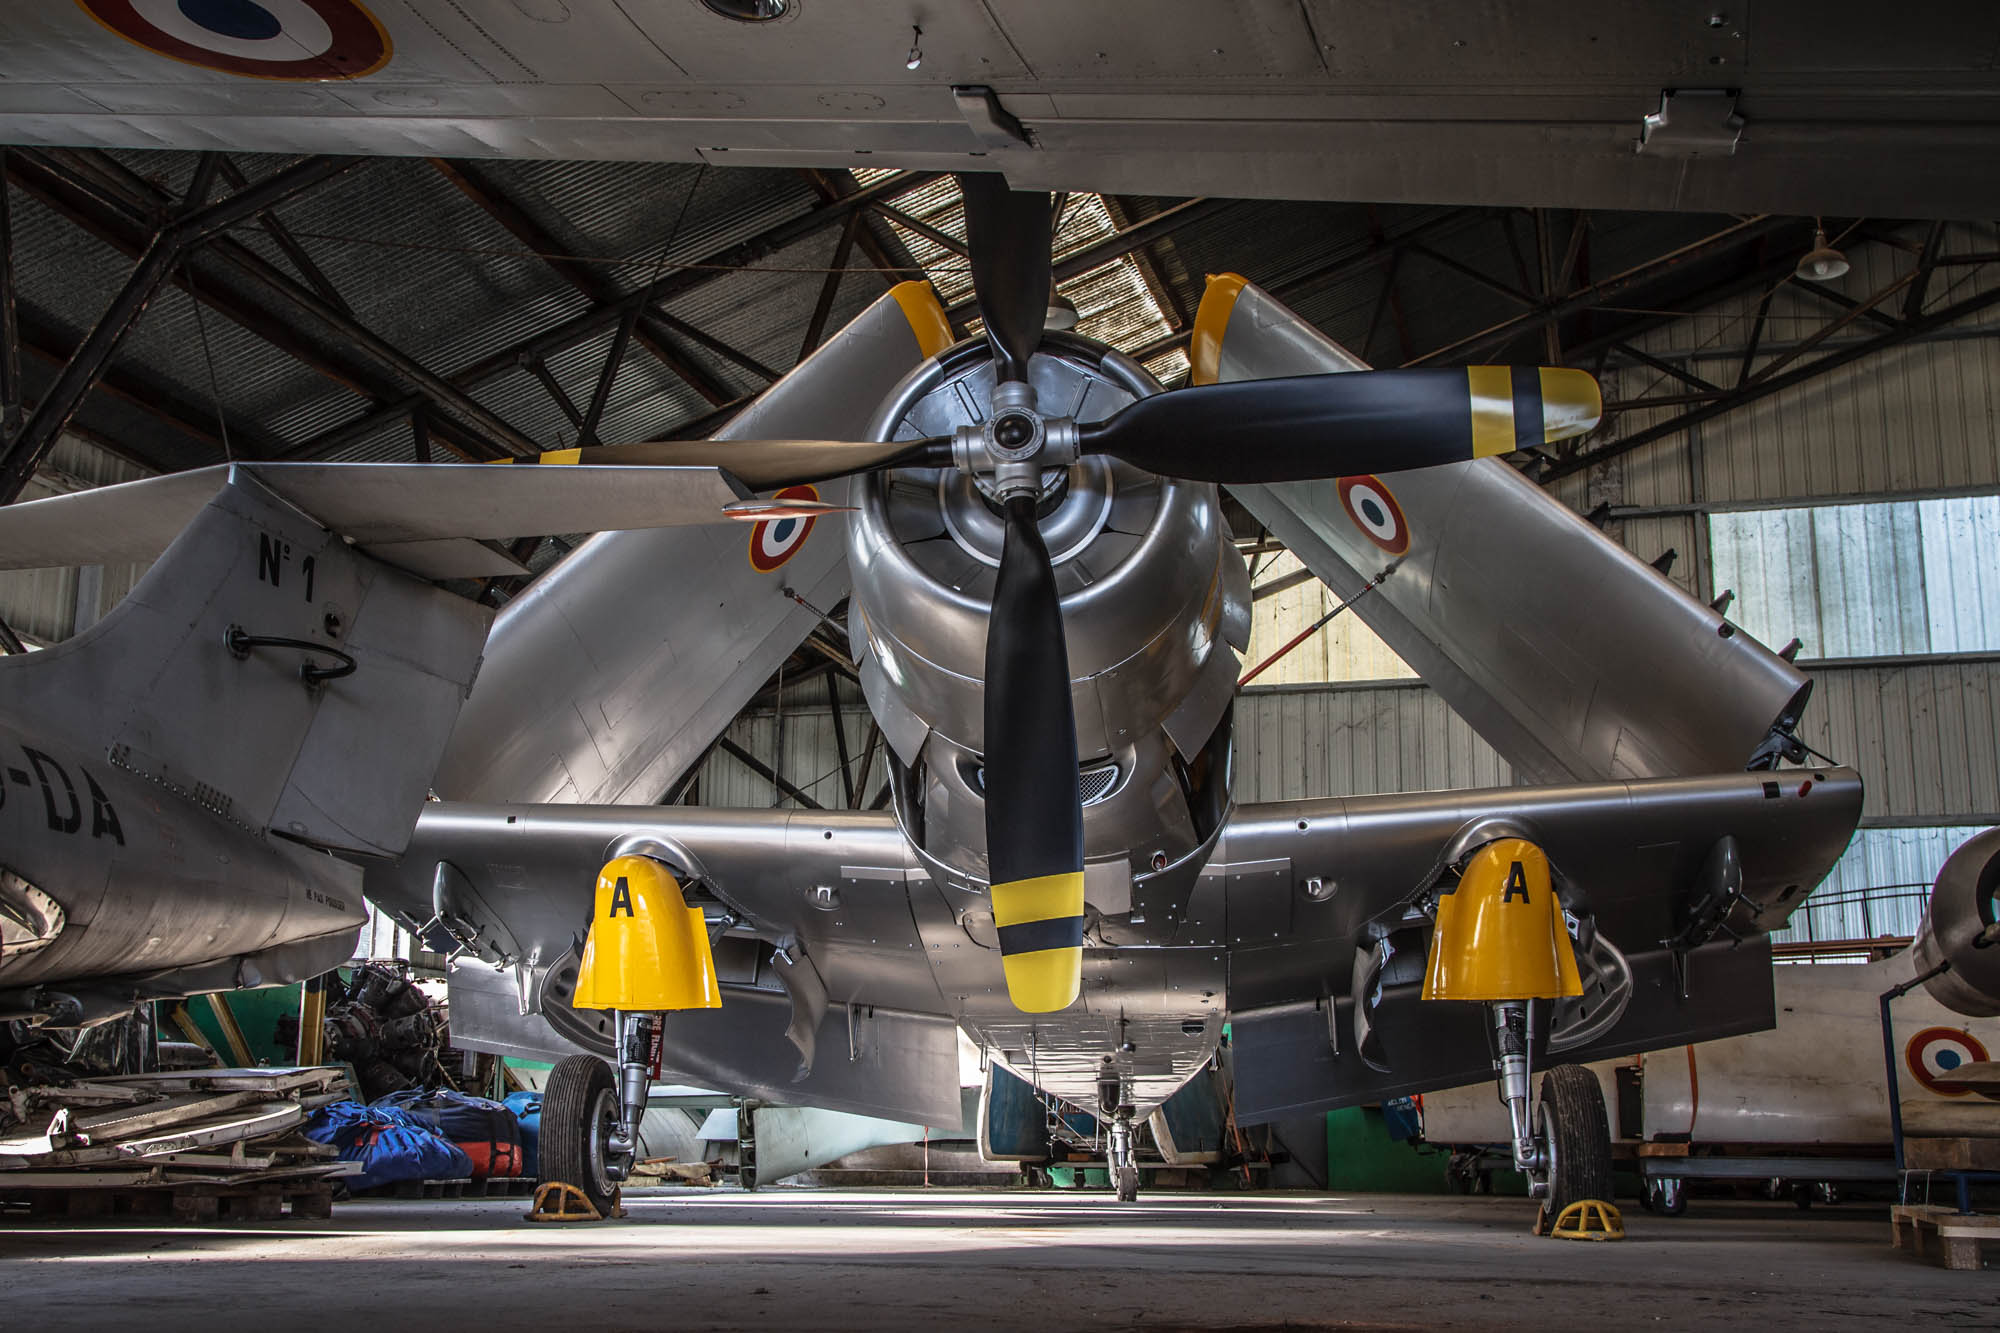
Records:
x=1500, y=933
x=647, y=949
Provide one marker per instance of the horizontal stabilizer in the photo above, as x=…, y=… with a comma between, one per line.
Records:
x=428, y=518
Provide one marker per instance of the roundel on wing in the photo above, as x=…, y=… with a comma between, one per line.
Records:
x=260, y=39
x=1933, y=1053
x=1374, y=510
x=773, y=541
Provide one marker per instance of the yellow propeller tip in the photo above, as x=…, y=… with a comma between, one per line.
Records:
x=1044, y=981
x=1572, y=404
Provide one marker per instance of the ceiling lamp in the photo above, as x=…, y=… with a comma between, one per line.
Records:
x=750, y=11
x=1822, y=263
x=1062, y=314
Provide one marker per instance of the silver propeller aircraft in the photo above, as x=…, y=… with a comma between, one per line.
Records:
x=1044, y=601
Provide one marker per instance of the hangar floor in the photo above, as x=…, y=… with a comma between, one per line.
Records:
x=1049, y=1261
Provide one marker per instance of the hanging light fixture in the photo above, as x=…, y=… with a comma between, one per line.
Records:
x=916, y=56
x=1822, y=263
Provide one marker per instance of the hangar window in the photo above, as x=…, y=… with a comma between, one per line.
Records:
x=1891, y=579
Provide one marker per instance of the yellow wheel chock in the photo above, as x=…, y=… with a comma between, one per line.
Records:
x=560, y=1201
x=1586, y=1219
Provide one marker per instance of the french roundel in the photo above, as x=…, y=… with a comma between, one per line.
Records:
x=261, y=39
x=773, y=541
x=1374, y=510
x=1933, y=1053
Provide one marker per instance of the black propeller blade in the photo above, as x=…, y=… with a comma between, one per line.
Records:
x=1034, y=814
x=1007, y=233
x=1317, y=426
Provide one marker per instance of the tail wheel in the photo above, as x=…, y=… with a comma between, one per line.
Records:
x=1577, y=1136
x=579, y=1111
x=1127, y=1178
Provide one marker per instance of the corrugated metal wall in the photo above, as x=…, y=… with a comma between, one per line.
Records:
x=1924, y=734
x=1865, y=580
x=41, y=604
x=1346, y=649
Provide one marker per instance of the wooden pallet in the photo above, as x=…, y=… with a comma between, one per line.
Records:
x=1951, y=1154
x=269, y=1201
x=1942, y=1235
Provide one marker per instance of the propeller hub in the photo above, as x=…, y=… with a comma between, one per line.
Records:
x=1016, y=435
x=1013, y=433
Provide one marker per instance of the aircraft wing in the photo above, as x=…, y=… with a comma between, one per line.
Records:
x=1575, y=660
x=1311, y=890
x=1799, y=109
x=432, y=519
x=614, y=672
x=828, y=995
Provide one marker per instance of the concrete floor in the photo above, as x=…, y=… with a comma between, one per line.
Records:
x=799, y=1259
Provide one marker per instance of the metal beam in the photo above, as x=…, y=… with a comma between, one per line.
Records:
x=475, y=185
x=586, y=434
x=80, y=374
x=942, y=239
x=1377, y=252
x=482, y=432
x=288, y=244
x=1913, y=303
x=198, y=421
x=717, y=346
x=766, y=772
x=1841, y=301
x=840, y=741
x=554, y=388
x=1498, y=335
x=1764, y=387
x=1687, y=377
x=605, y=315
x=829, y=289
x=1467, y=271
x=1120, y=243
x=113, y=210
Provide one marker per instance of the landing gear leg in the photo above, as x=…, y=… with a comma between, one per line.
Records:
x=638, y=1044
x=1510, y=1063
x=1123, y=1159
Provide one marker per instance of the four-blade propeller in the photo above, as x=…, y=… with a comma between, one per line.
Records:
x=1315, y=426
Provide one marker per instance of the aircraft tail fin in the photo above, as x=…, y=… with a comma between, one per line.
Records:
x=269, y=672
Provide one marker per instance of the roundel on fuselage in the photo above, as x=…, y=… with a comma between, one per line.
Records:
x=773, y=541
x=1373, y=509
x=308, y=40
x=1933, y=1053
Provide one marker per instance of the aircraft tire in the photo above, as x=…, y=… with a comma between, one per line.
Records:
x=1128, y=1183
x=579, y=1106
x=1578, y=1139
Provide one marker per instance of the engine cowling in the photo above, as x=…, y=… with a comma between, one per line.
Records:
x=1153, y=597
x=1963, y=929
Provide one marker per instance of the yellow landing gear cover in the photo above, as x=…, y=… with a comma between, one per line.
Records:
x=1500, y=933
x=647, y=949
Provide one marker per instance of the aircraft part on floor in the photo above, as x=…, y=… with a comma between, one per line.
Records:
x=647, y=949
x=1593, y=668
x=1962, y=928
